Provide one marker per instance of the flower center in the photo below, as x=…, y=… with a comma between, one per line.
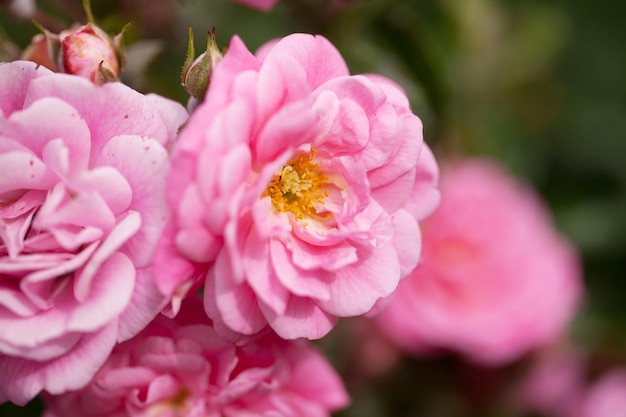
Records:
x=297, y=187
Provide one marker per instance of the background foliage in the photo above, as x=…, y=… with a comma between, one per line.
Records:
x=537, y=84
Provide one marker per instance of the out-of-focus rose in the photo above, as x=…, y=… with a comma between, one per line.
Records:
x=183, y=368
x=606, y=397
x=495, y=279
x=298, y=188
x=263, y=5
x=554, y=383
x=82, y=175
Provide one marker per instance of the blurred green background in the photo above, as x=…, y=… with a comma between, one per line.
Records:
x=536, y=84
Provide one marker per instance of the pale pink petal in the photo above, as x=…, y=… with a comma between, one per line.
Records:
x=326, y=388
x=393, y=90
x=303, y=283
x=56, y=119
x=302, y=318
x=171, y=268
x=425, y=196
x=315, y=54
x=14, y=301
x=329, y=258
x=44, y=350
x=402, y=159
x=144, y=164
x=236, y=303
x=407, y=241
x=145, y=303
x=21, y=380
x=14, y=81
x=346, y=127
x=261, y=275
x=109, y=183
x=172, y=114
x=239, y=60
x=124, y=229
x=292, y=126
x=111, y=290
x=131, y=114
x=48, y=272
x=356, y=288
x=19, y=170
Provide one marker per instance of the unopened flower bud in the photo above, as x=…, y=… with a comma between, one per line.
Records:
x=196, y=74
x=39, y=52
x=86, y=51
x=90, y=53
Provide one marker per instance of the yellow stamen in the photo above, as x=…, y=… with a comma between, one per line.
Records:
x=298, y=187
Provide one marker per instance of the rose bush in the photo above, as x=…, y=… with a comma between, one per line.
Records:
x=296, y=191
x=183, y=368
x=495, y=278
x=82, y=174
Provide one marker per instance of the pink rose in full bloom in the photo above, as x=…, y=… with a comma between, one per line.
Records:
x=82, y=174
x=606, y=397
x=184, y=368
x=296, y=191
x=495, y=279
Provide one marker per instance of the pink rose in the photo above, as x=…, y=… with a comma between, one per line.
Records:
x=606, y=397
x=82, y=174
x=183, y=368
x=495, y=278
x=296, y=190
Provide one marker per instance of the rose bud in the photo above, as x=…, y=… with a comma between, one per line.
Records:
x=90, y=53
x=196, y=73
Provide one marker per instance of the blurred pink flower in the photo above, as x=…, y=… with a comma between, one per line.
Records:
x=82, y=174
x=263, y=5
x=495, y=279
x=554, y=383
x=298, y=188
x=606, y=397
x=183, y=368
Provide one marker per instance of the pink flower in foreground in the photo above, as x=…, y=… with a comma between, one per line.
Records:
x=606, y=397
x=82, y=174
x=183, y=368
x=495, y=278
x=298, y=188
